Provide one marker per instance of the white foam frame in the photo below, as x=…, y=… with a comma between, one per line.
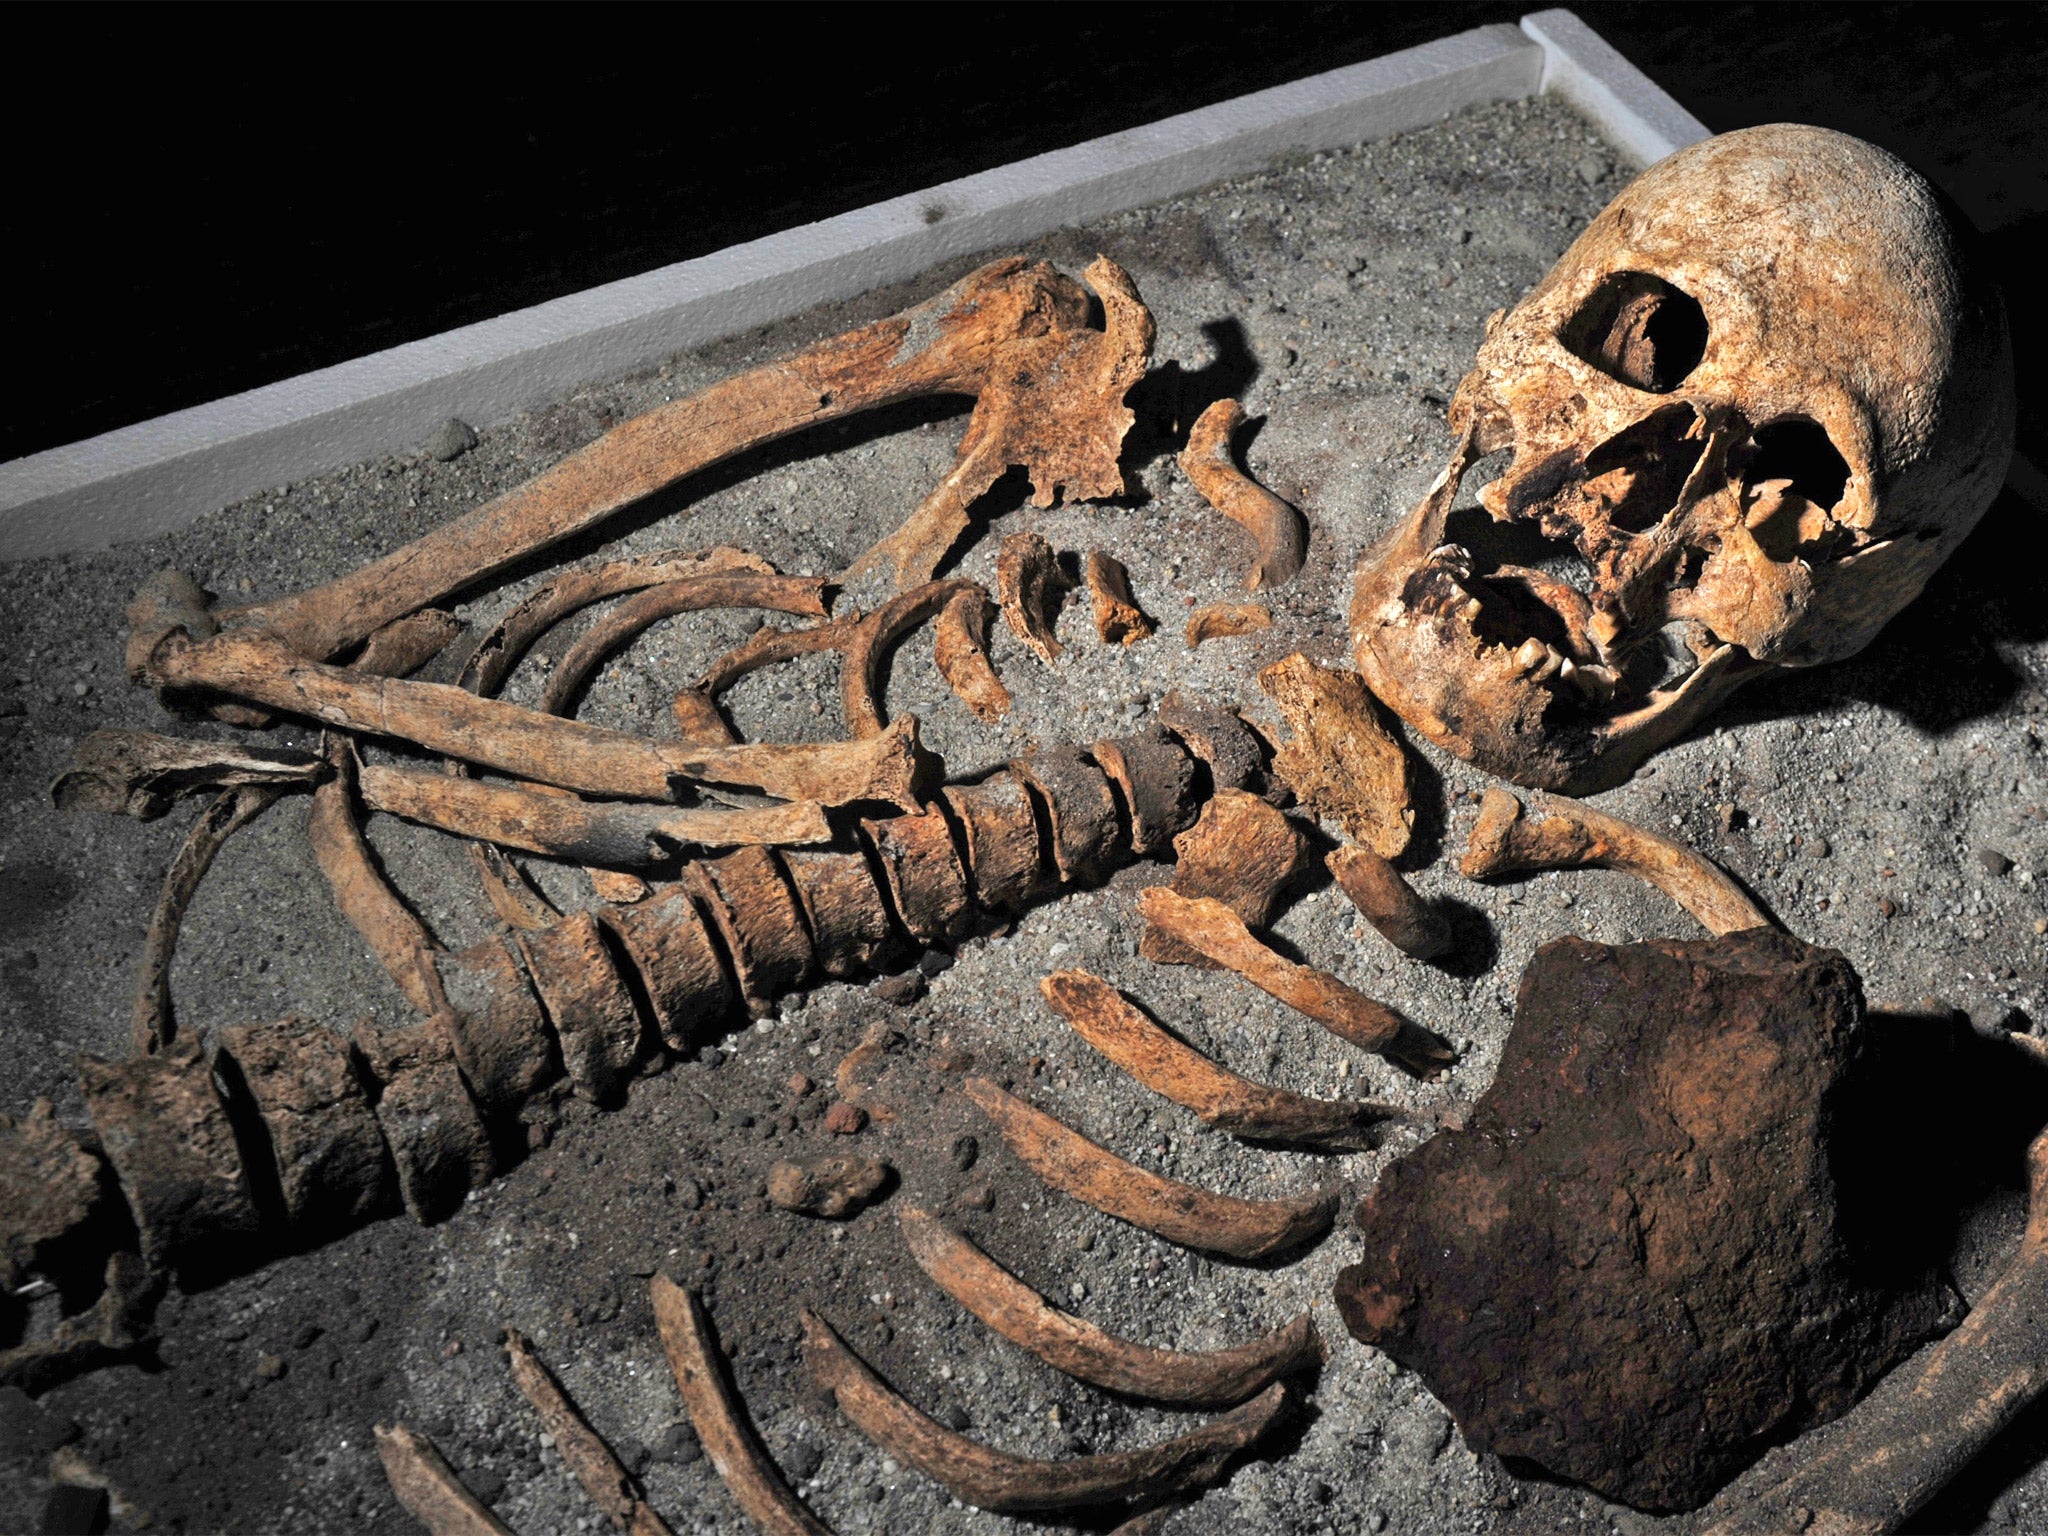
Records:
x=159, y=475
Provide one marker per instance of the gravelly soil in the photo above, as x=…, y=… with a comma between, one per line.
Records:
x=1340, y=297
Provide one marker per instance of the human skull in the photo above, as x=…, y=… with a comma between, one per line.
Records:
x=1756, y=404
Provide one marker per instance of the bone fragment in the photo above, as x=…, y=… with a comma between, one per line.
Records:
x=1180, y=1213
x=112, y=1329
x=1341, y=761
x=1118, y=619
x=1030, y=587
x=1389, y=903
x=927, y=883
x=174, y=1152
x=718, y=1416
x=1006, y=862
x=611, y=1487
x=333, y=1171
x=512, y=896
x=530, y=745
x=768, y=647
x=1087, y=832
x=51, y=1186
x=1152, y=1521
x=398, y=939
x=1155, y=778
x=597, y=1028
x=851, y=929
x=611, y=834
x=405, y=645
x=1052, y=405
x=832, y=1187
x=1927, y=1421
x=1573, y=836
x=1232, y=752
x=1226, y=621
x=748, y=899
x=951, y=344
x=692, y=594
x=874, y=637
x=142, y=774
x=1127, y=1036
x=427, y=1486
x=1276, y=528
x=1210, y=927
x=1003, y=1484
x=494, y=1024
x=960, y=649
x=671, y=950
x=153, y=1022
x=1240, y=851
x=431, y=1125
x=1211, y=1379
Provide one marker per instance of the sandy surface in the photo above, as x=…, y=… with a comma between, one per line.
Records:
x=1340, y=298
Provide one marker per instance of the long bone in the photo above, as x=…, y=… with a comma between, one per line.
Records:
x=961, y=341
x=1507, y=842
x=428, y=1487
x=1276, y=528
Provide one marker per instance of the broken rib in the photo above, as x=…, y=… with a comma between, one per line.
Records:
x=1573, y=836
x=960, y=650
x=1120, y=1030
x=141, y=774
x=715, y=1412
x=246, y=664
x=1005, y=1484
x=1209, y=927
x=429, y=1489
x=610, y=1486
x=610, y=834
x=1180, y=1213
x=1277, y=529
x=1211, y=1379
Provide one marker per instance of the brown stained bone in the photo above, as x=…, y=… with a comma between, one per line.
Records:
x=1003, y=1484
x=1156, y=779
x=1911, y=1438
x=1241, y=852
x=51, y=1187
x=832, y=1187
x=427, y=1486
x=1210, y=927
x=405, y=645
x=1053, y=406
x=529, y=745
x=1030, y=586
x=112, y=1329
x=768, y=647
x=398, y=939
x=611, y=1487
x=1232, y=752
x=167, y=1134
x=699, y=720
x=869, y=645
x=921, y=863
x=955, y=343
x=1277, y=529
x=332, y=1167
x=1568, y=835
x=153, y=1021
x=610, y=834
x=494, y=1024
x=677, y=962
x=436, y=1137
x=960, y=649
x=694, y=594
x=512, y=896
x=142, y=774
x=1180, y=1213
x=719, y=1418
x=1226, y=621
x=1118, y=619
x=748, y=899
x=1123, y=1032
x=1006, y=862
x=851, y=929
x=1209, y=1379
x=597, y=1029
x=1341, y=762
x=1389, y=903
x=1087, y=831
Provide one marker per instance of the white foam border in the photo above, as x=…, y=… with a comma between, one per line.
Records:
x=158, y=475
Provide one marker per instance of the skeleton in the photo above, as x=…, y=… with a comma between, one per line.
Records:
x=1768, y=502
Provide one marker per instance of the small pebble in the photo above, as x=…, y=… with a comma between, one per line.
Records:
x=1565, y=899
x=936, y=962
x=1591, y=168
x=1817, y=848
x=965, y=1150
x=844, y=1119
x=1731, y=817
x=451, y=440
x=1992, y=862
x=678, y=1444
x=955, y=1418
x=270, y=1367
x=900, y=991
x=803, y=1461
x=1887, y=907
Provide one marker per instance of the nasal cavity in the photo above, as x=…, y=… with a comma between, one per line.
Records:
x=1798, y=450
x=1639, y=329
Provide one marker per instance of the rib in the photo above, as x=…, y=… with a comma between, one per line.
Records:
x=860, y=673
x=960, y=650
x=1276, y=528
x=427, y=1486
x=610, y=1486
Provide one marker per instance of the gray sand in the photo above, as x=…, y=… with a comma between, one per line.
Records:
x=1340, y=297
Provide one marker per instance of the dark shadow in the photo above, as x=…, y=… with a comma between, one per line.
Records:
x=1965, y=1505
x=1475, y=947
x=1169, y=398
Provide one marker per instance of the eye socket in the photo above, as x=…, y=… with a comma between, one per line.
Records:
x=1639, y=329
x=1798, y=450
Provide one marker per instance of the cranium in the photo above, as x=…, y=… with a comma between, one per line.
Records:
x=1752, y=409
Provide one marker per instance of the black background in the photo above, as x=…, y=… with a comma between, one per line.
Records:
x=216, y=199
